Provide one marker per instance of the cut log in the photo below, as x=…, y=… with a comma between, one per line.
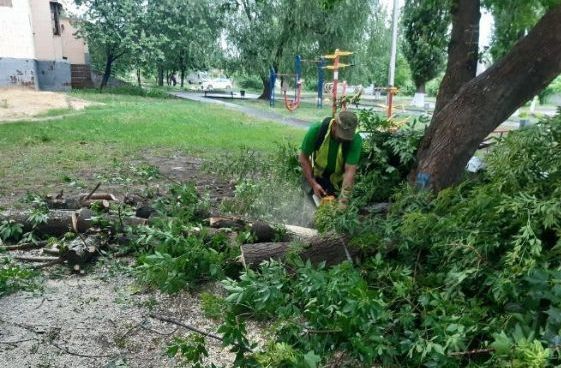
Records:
x=77, y=202
x=231, y=222
x=301, y=233
x=263, y=232
x=330, y=249
x=81, y=250
x=60, y=222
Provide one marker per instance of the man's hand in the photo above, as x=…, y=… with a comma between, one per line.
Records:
x=318, y=190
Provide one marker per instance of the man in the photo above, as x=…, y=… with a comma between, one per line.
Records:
x=329, y=155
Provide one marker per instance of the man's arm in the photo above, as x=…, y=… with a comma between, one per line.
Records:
x=348, y=182
x=308, y=174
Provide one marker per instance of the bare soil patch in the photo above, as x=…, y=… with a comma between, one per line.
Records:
x=174, y=167
x=101, y=319
x=17, y=104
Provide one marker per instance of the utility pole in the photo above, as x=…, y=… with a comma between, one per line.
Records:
x=393, y=56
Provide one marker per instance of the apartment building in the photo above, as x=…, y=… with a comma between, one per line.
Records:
x=38, y=46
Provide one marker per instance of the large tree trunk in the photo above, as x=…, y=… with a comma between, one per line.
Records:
x=160, y=76
x=107, y=72
x=462, y=50
x=486, y=101
x=266, y=89
x=329, y=249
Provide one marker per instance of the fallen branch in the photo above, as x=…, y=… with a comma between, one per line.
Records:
x=471, y=352
x=24, y=246
x=66, y=351
x=35, y=259
x=93, y=191
x=16, y=342
x=190, y=328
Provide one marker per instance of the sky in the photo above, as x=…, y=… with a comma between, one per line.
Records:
x=486, y=23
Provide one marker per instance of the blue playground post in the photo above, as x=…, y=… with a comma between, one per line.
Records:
x=297, y=69
x=272, y=81
x=321, y=80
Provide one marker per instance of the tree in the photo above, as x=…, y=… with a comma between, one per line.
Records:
x=113, y=27
x=463, y=50
x=266, y=34
x=513, y=20
x=188, y=32
x=425, y=25
x=484, y=102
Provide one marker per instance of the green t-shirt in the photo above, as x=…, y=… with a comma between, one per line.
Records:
x=309, y=145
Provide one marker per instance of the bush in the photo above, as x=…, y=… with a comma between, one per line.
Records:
x=250, y=82
x=476, y=267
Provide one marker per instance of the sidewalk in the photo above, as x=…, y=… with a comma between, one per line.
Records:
x=255, y=113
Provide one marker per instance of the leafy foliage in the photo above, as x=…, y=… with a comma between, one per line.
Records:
x=14, y=277
x=425, y=32
x=475, y=267
x=174, y=256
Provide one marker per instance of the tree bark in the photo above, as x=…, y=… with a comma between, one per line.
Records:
x=328, y=249
x=138, y=77
x=107, y=72
x=462, y=50
x=266, y=89
x=486, y=101
x=160, y=76
x=59, y=222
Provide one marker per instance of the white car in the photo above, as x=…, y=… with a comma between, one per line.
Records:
x=217, y=83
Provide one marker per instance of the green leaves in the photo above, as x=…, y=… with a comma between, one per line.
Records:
x=11, y=230
x=425, y=25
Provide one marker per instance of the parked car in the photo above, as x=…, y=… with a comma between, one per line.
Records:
x=217, y=83
x=197, y=77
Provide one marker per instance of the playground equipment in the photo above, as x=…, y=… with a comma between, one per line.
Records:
x=335, y=67
x=290, y=104
x=293, y=104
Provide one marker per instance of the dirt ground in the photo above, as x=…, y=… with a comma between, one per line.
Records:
x=16, y=104
x=102, y=319
x=174, y=167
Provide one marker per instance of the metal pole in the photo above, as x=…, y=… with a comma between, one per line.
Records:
x=391, y=76
x=335, y=80
x=393, y=55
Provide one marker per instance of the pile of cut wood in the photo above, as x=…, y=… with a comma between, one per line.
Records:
x=82, y=236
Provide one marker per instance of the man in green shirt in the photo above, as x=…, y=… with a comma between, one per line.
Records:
x=329, y=155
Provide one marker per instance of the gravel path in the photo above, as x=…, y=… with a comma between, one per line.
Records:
x=101, y=319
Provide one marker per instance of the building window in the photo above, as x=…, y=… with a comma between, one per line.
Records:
x=6, y=3
x=55, y=18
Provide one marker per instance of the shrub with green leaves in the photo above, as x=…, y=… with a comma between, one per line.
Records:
x=469, y=277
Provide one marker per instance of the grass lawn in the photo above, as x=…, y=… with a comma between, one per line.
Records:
x=123, y=129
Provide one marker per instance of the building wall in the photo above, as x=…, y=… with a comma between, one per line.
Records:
x=17, y=50
x=30, y=53
x=16, y=36
x=74, y=49
x=54, y=75
x=47, y=45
